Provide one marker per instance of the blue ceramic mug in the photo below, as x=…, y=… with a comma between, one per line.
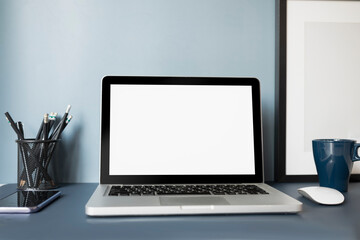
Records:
x=334, y=161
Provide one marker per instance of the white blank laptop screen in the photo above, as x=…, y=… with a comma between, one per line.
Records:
x=181, y=130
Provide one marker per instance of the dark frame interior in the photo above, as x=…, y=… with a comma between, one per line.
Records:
x=105, y=178
x=280, y=108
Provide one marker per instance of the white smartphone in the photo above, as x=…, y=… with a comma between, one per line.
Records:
x=28, y=201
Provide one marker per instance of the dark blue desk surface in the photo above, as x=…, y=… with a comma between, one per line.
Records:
x=65, y=219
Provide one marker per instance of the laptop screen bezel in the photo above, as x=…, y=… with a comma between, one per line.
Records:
x=106, y=178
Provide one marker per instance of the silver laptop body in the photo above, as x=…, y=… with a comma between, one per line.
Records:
x=182, y=145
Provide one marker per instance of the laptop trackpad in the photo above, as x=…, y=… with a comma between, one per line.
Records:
x=176, y=201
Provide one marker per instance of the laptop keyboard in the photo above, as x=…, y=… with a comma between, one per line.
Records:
x=218, y=189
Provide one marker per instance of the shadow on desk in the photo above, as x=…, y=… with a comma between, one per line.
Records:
x=267, y=226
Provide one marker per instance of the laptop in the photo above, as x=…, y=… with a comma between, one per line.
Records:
x=182, y=145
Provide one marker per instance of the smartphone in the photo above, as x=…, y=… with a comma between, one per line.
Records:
x=28, y=201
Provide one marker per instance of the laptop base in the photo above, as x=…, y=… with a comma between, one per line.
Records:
x=100, y=204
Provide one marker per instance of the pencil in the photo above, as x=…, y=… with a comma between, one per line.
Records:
x=21, y=149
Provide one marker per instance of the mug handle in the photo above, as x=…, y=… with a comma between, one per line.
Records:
x=356, y=156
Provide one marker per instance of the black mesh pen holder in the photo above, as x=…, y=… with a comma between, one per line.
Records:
x=34, y=157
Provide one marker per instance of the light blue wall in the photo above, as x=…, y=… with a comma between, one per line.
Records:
x=55, y=52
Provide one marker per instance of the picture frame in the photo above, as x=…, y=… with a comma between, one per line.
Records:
x=318, y=59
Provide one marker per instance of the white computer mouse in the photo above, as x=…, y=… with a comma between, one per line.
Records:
x=322, y=195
